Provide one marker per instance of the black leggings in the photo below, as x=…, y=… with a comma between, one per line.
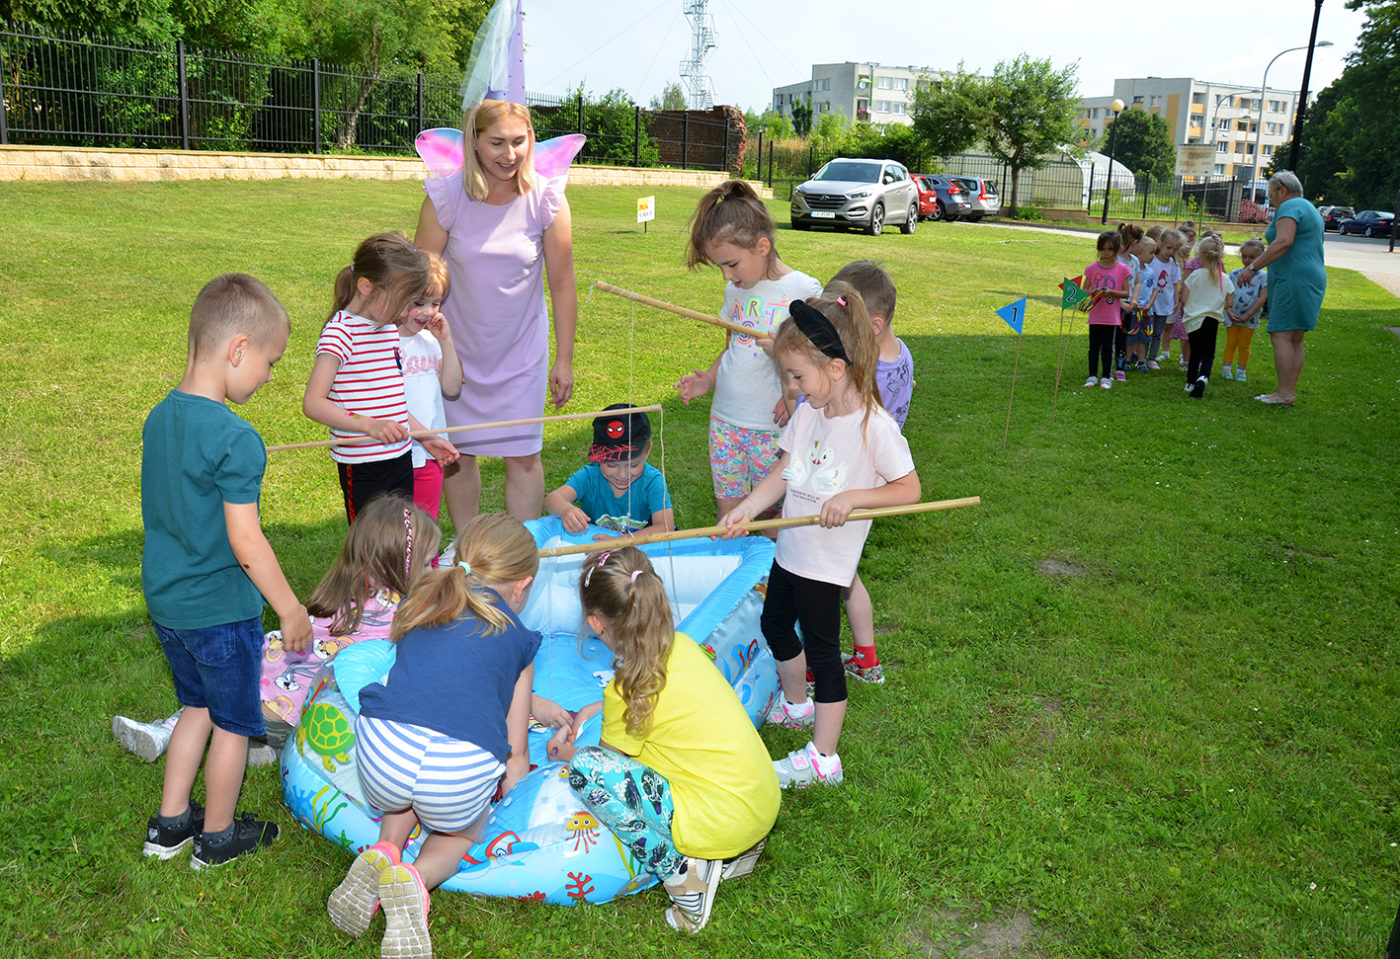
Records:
x=816, y=607
x=1202, y=349
x=1101, y=347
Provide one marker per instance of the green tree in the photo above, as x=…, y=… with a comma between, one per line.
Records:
x=1351, y=134
x=946, y=113
x=1026, y=112
x=672, y=98
x=802, y=117
x=1142, y=142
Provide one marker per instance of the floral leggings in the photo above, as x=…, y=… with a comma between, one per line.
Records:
x=632, y=800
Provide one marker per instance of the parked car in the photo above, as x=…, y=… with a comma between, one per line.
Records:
x=857, y=192
x=951, y=201
x=982, y=196
x=1332, y=216
x=1367, y=223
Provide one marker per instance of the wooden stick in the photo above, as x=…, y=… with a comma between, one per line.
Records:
x=679, y=310
x=418, y=434
x=1059, y=363
x=1015, y=366
x=758, y=524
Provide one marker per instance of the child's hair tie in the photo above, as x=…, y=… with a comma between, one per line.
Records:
x=407, y=544
x=820, y=331
x=602, y=558
x=841, y=300
x=635, y=574
x=466, y=567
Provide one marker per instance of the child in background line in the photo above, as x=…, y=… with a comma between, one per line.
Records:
x=384, y=551
x=429, y=755
x=1107, y=279
x=1206, y=297
x=431, y=370
x=206, y=567
x=1129, y=234
x=1139, y=318
x=618, y=490
x=1164, y=275
x=841, y=451
x=894, y=376
x=680, y=775
x=731, y=229
x=1176, y=330
x=1242, y=319
x=356, y=386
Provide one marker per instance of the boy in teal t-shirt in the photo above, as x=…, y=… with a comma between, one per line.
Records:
x=618, y=490
x=206, y=567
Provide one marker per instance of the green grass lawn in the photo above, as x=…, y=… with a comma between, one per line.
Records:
x=1141, y=701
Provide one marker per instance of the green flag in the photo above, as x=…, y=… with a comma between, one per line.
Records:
x=1073, y=294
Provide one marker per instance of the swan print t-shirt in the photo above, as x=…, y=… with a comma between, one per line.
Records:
x=829, y=455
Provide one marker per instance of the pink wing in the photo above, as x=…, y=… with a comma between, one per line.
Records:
x=441, y=150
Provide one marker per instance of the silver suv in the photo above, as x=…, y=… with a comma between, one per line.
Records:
x=852, y=192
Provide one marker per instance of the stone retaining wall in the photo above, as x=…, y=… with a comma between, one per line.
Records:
x=74, y=163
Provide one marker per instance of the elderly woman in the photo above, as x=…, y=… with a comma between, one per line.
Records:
x=1297, y=280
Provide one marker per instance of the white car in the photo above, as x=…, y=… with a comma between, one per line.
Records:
x=857, y=192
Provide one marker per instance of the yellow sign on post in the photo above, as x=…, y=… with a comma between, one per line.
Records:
x=646, y=210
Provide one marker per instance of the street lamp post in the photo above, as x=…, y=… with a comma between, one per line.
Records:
x=1117, y=107
x=1259, y=131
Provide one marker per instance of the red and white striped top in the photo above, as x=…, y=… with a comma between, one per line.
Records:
x=369, y=382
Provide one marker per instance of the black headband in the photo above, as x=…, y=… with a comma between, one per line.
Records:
x=819, y=330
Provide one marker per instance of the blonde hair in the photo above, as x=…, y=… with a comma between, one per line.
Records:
x=439, y=278
x=730, y=213
x=1210, y=250
x=1170, y=237
x=388, y=546
x=621, y=587
x=1253, y=243
x=1155, y=231
x=477, y=121
x=499, y=551
x=392, y=264
x=235, y=304
x=843, y=306
x=874, y=285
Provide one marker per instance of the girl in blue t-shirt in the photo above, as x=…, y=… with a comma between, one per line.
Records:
x=428, y=754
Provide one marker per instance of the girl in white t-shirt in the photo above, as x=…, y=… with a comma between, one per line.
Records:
x=732, y=230
x=431, y=370
x=840, y=451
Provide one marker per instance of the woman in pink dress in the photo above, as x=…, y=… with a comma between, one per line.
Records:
x=501, y=228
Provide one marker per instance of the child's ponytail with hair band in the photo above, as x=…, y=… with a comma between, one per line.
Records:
x=621, y=587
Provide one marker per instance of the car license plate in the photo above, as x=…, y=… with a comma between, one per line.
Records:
x=823, y=215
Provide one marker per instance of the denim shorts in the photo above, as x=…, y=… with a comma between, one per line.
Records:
x=217, y=668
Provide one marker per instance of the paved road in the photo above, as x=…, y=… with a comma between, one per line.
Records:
x=1370, y=257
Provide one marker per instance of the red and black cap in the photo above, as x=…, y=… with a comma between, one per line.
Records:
x=617, y=437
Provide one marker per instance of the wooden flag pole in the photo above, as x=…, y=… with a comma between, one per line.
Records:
x=418, y=434
x=1059, y=364
x=1014, y=367
x=760, y=524
x=678, y=310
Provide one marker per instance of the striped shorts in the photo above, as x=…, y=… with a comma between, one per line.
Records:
x=447, y=782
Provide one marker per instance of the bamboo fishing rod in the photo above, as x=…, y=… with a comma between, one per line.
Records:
x=679, y=310
x=752, y=526
x=419, y=434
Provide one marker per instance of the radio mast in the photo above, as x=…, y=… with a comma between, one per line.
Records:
x=702, y=41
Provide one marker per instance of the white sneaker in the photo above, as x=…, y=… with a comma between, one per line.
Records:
x=1106, y=383
x=1163, y=356
x=693, y=894
x=807, y=767
x=261, y=754
x=792, y=715
x=147, y=740
x=1092, y=381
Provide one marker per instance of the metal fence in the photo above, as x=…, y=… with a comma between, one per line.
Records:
x=67, y=90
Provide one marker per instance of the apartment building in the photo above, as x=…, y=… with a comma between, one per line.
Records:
x=864, y=92
x=1226, y=116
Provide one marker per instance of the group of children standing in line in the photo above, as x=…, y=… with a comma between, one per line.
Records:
x=1151, y=288
x=807, y=413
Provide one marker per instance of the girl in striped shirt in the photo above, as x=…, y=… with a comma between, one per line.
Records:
x=356, y=386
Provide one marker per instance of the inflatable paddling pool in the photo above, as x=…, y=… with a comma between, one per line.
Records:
x=539, y=843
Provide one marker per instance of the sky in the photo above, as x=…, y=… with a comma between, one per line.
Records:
x=638, y=45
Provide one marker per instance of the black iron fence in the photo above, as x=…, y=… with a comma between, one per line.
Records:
x=67, y=90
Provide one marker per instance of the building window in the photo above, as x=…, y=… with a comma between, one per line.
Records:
x=1199, y=99
x=901, y=83
x=825, y=107
x=1222, y=147
x=1220, y=168
x=882, y=106
x=1275, y=106
x=1137, y=100
x=899, y=109
x=1156, y=100
x=1266, y=150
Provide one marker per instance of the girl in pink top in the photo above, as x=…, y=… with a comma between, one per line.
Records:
x=1106, y=279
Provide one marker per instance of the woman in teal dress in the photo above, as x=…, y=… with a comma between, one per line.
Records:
x=1297, y=280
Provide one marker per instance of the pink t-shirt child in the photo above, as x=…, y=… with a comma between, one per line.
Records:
x=1097, y=277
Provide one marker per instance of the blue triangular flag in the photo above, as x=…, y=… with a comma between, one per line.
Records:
x=1014, y=313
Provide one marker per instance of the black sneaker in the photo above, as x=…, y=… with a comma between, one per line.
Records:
x=249, y=835
x=1199, y=389
x=166, y=842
